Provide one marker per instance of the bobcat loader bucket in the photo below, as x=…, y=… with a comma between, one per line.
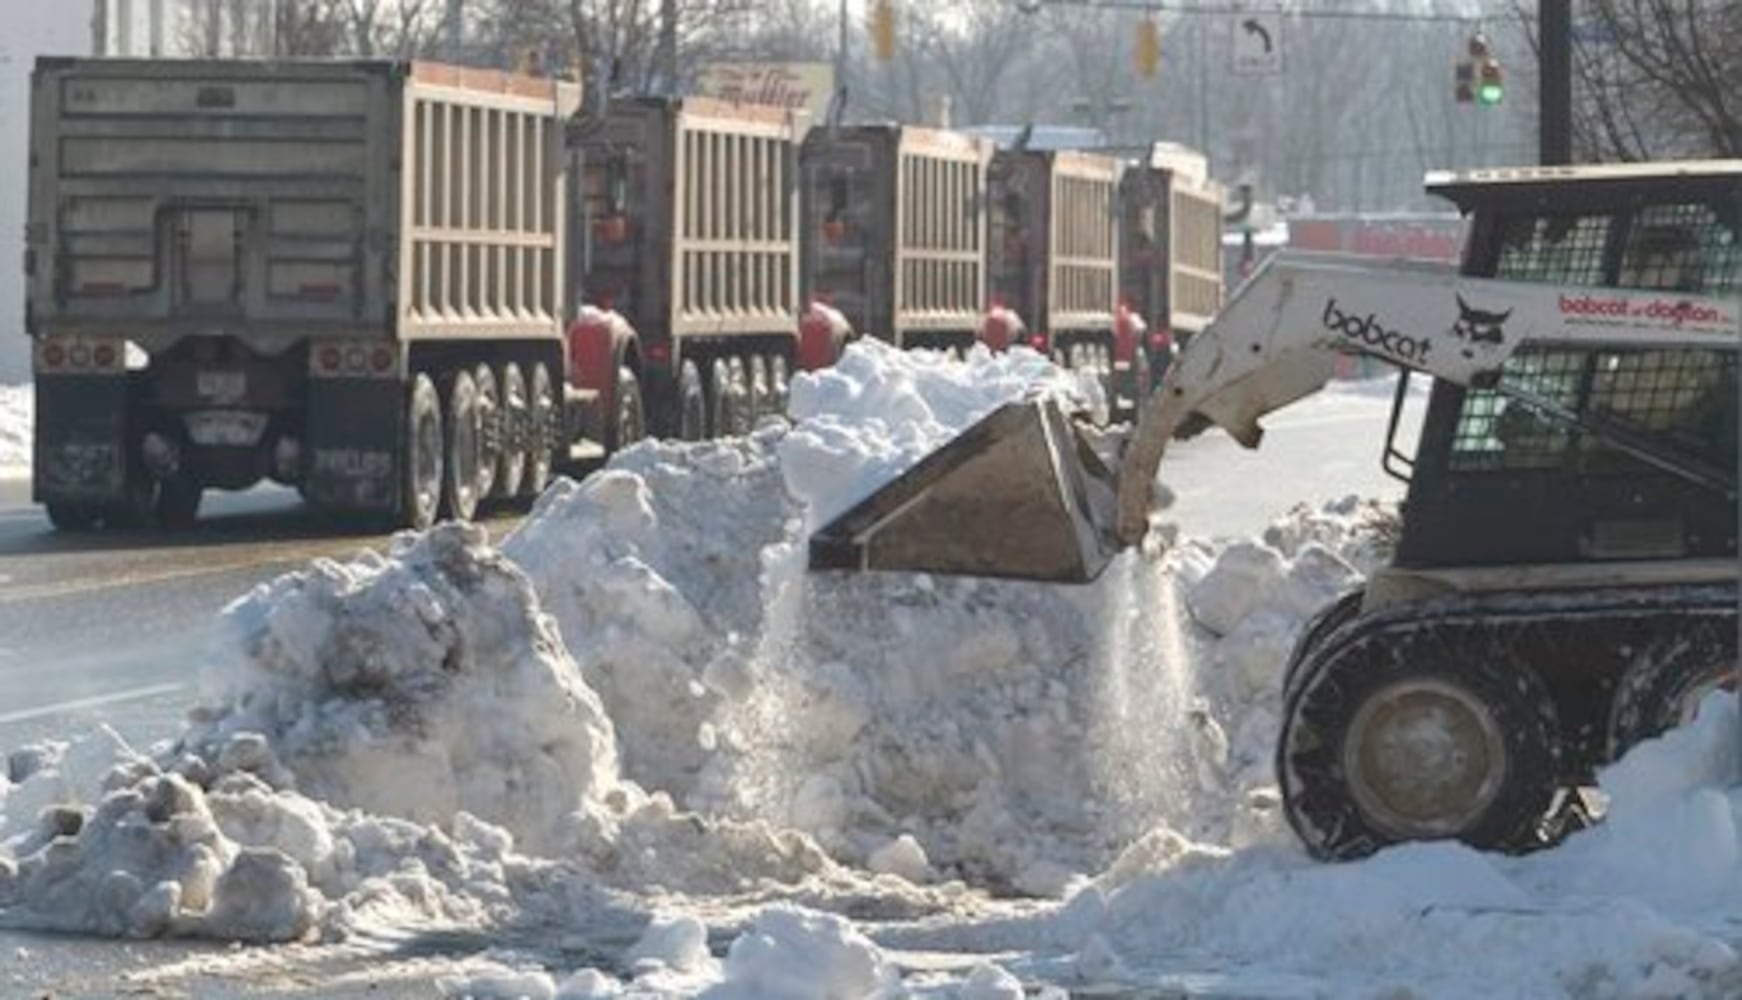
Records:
x=1023, y=494
x=1029, y=493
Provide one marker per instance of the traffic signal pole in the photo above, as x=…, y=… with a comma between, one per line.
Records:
x=1555, y=68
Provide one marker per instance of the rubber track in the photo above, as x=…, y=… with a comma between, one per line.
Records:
x=1579, y=643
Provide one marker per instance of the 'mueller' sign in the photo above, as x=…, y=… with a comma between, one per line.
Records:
x=797, y=87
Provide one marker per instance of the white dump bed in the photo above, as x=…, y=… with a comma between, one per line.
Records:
x=277, y=200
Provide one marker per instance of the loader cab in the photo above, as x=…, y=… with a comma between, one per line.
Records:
x=1494, y=482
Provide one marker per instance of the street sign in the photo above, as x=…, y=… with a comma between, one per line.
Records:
x=1258, y=44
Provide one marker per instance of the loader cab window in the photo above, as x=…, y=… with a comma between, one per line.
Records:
x=1556, y=249
x=1685, y=248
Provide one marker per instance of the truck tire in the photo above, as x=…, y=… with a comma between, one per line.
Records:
x=423, y=455
x=137, y=510
x=720, y=398
x=489, y=430
x=756, y=379
x=66, y=516
x=462, y=461
x=692, y=404
x=742, y=418
x=514, y=416
x=630, y=423
x=779, y=387
x=541, y=416
x=178, y=503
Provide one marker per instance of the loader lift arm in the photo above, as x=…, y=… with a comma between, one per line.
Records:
x=1030, y=492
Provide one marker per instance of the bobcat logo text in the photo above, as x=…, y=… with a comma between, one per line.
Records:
x=1372, y=335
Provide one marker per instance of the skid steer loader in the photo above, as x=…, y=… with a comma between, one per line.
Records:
x=1565, y=579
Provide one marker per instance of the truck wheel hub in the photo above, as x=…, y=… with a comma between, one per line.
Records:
x=1424, y=758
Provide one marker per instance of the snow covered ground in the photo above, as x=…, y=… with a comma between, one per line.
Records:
x=641, y=733
x=15, y=417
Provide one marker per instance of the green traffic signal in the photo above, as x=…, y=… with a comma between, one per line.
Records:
x=1489, y=88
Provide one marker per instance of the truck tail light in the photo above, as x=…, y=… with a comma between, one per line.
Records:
x=353, y=359
x=81, y=355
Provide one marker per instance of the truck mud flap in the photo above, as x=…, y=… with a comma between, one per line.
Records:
x=80, y=449
x=354, y=439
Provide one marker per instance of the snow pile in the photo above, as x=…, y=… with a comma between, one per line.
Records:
x=16, y=414
x=914, y=726
x=419, y=685
x=1632, y=908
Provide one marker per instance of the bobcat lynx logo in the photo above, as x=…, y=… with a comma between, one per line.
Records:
x=1476, y=326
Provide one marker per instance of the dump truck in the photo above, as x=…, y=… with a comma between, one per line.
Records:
x=347, y=277
x=894, y=235
x=1170, y=265
x=1564, y=583
x=689, y=256
x=1053, y=253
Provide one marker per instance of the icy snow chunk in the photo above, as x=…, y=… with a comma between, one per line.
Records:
x=589, y=984
x=793, y=954
x=152, y=861
x=484, y=979
x=990, y=982
x=1243, y=579
x=16, y=418
x=678, y=942
x=385, y=685
x=903, y=857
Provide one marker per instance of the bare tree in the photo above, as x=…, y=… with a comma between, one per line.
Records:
x=1655, y=78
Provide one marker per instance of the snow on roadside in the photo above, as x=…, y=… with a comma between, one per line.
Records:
x=642, y=711
x=16, y=414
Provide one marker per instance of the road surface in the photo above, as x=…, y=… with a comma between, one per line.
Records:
x=113, y=628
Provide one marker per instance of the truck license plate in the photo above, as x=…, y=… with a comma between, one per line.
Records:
x=226, y=427
x=222, y=387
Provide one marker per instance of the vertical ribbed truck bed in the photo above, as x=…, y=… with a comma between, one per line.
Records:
x=894, y=228
x=278, y=201
x=1053, y=240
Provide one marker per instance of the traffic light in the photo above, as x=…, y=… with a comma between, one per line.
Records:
x=883, y=29
x=1490, y=88
x=1148, y=53
x=1489, y=84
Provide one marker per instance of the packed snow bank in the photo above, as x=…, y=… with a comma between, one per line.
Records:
x=645, y=693
x=419, y=685
x=1637, y=907
x=16, y=414
x=1004, y=730
x=400, y=738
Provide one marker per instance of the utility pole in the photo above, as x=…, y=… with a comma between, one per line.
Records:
x=156, y=35
x=100, y=27
x=668, y=45
x=454, y=30
x=841, y=52
x=1204, y=85
x=1554, y=20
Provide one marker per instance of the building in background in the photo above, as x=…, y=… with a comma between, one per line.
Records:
x=45, y=27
